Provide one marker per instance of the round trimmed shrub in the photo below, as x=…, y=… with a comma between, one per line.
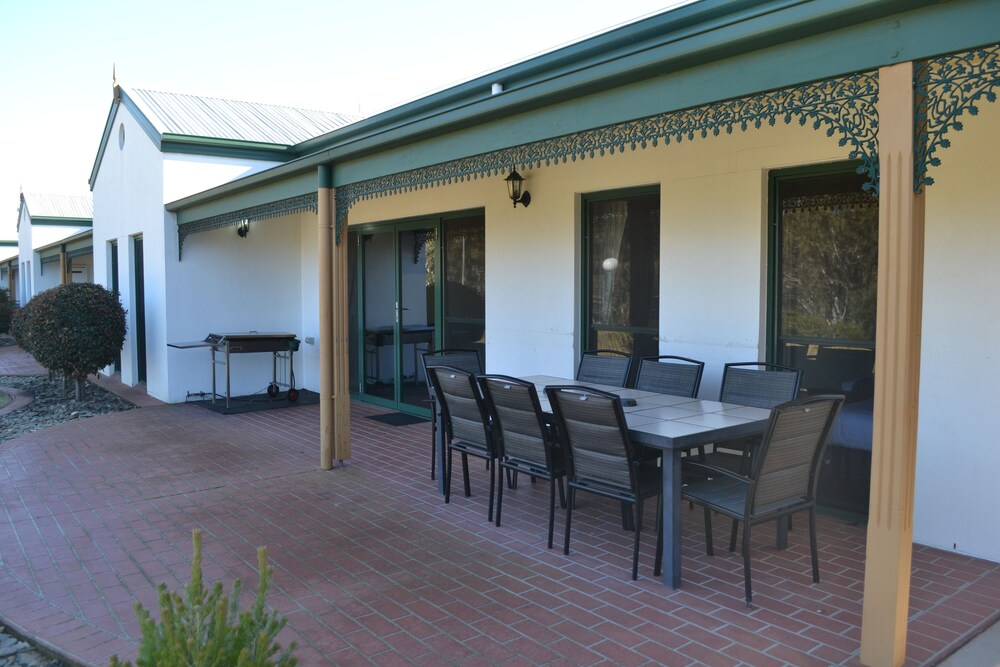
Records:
x=20, y=327
x=73, y=329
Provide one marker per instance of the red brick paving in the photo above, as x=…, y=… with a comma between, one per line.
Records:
x=371, y=567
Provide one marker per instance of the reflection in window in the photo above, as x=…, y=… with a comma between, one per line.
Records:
x=465, y=284
x=623, y=241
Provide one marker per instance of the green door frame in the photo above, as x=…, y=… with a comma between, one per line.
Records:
x=435, y=222
x=774, y=242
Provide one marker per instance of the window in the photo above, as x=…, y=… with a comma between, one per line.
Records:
x=622, y=272
x=825, y=250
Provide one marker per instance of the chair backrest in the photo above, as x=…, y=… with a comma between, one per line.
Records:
x=518, y=420
x=759, y=384
x=462, y=408
x=607, y=367
x=592, y=424
x=786, y=465
x=466, y=360
x=669, y=374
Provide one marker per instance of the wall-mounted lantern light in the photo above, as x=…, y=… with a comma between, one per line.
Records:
x=514, y=184
x=243, y=228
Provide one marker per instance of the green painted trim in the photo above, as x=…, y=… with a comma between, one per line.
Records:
x=140, y=118
x=103, y=145
x=49, y=259
x=8, y=244
x=709, y=51
x=249, y=150
x=89, y=250
x=302, y=184
x=681, y=74
x=324, y=176
x=51, y=221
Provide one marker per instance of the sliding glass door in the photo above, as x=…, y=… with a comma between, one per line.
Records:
x=417, y=286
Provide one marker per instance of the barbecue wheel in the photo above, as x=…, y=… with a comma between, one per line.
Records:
x=272, y=390
x=293, y=395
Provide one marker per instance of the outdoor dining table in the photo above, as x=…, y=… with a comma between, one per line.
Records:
x=672, y=424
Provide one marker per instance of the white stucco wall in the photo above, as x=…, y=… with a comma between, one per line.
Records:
x=132, y=184
x=30, y=238
x=958, y=450
x=230, y=284
x=128, y=202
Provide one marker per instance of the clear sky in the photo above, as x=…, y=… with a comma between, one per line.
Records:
x=352, y=56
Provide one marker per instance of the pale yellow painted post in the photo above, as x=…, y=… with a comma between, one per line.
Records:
x=325, y=217
x=897, y=377
x=341, y=365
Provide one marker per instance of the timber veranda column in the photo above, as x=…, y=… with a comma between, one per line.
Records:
x=324, y=218
x=335, y=403
x=341, y=347
x=897, y=377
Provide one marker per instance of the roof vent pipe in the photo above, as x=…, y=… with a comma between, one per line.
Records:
x=496, y=88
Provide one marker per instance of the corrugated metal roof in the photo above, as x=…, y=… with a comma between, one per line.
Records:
x=195, y=116
x=59, y=206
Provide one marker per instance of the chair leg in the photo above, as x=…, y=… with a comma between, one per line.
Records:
x=635, y=546
x=812, y=544
x=562, y=494
x=627, y=519
x=500, y=496
x=552, y=507
x=746, y=564
x=465, y=474
x=433, y=446
x=708, y=532
x=571, y=493
x=658, y=562
x=496, y=475
x=447, y=476
x=732, y=535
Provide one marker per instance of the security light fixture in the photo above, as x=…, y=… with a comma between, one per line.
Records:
x=243, y=228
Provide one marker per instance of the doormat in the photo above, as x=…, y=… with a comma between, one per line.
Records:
x=257, y=402
x=398, y=419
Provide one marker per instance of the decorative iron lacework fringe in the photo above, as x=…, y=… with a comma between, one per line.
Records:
x=306, y=202
x=844, y=106
x=946, y=88
x=841, y=200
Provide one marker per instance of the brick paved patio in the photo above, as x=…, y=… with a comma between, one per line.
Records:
x=372, y=568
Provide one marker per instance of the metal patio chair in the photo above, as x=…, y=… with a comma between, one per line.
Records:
x=781, y=482
x=668, y=374
x=468, y=361
x=756, y=384
x=602, y=459
x=467, y=428
x=607, y=367
x=528, y=443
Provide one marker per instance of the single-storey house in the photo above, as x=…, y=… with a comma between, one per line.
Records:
x=158, y=147
x=806, y=182
x=54, y=243
x=8, y=267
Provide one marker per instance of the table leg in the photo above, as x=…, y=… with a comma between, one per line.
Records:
x=671, y=468
x=213, y=375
